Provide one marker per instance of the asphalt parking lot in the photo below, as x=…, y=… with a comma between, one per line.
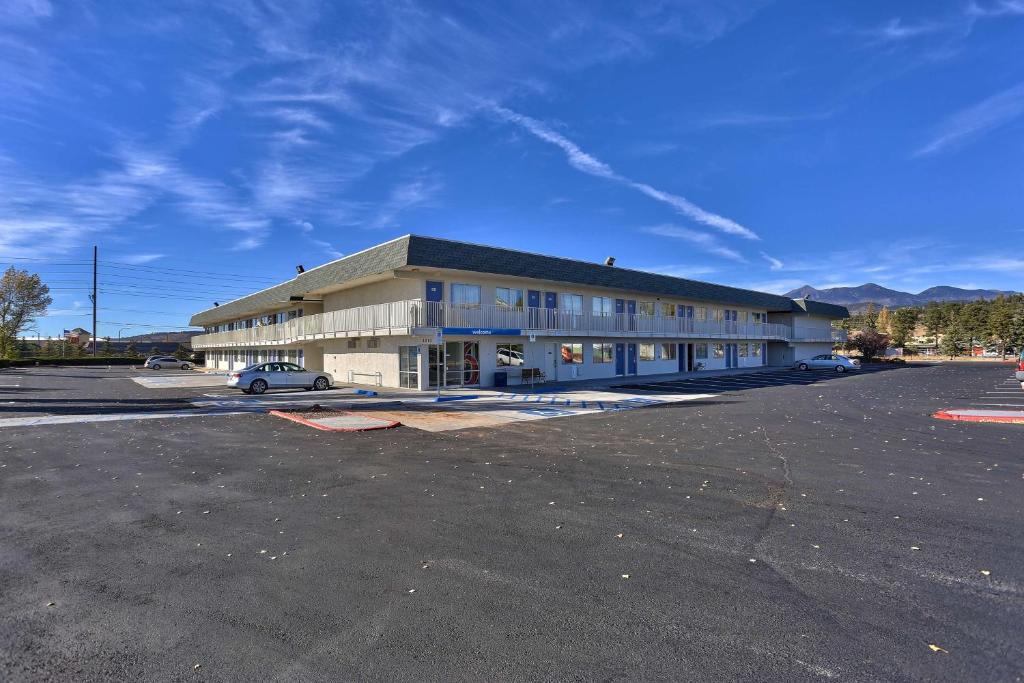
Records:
x=814, y=527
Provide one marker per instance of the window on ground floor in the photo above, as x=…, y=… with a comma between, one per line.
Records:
x=755, y=350
x=409, y=367
x=293, y=356
x=572, y=353
x=373, y=343
x=647, y=351
x=510, y=355
x=668, y=351
x=743, y=350
x=718, y=350
x=603, y=353
x=701, y=351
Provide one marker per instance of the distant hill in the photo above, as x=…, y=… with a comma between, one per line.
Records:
x=177, y=337
x=859, y=297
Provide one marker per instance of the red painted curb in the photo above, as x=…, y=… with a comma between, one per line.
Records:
x=314, y=425
x=943, y=415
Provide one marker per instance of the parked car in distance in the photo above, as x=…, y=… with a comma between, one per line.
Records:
x=258, y=378
x=159, y=362
x=1020, y=367
x=827, y=361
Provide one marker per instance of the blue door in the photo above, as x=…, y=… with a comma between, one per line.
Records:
x=533, y=304
x=620, y=359
x=631, y=313
x=730, y=356
x=764, y=354
x=620, y=312
x=631, y=358
x=681, y=355
x=550, y=304
x=435, y=295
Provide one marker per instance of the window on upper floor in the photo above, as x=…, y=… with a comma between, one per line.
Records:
x=645, y=308
x=508, y=297
x=602, y=305
x=573, y=303
x=700, y=313
x=467, y=296
x=668, y=310
x=701, y=350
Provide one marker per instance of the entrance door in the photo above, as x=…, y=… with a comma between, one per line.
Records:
x=631, y=358
x=681, y=355
x=689, y=357
x=434, y=296
x=631, y=314
x=462, y=364
x=764, y=354
x=550, y=304
x=533, y=305
x=620, y=313
x=731, y=355
x=620, y=359
x=551, y=361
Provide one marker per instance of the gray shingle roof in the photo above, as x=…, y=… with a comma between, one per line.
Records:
x=432, y=252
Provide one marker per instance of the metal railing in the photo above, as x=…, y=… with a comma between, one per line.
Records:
x=404, y=316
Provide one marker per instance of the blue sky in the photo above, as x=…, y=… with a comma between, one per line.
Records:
x=207, y=148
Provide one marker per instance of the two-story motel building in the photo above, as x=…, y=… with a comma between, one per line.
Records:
x=417, y=311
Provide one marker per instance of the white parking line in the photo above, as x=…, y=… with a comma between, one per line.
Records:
x=110, y=417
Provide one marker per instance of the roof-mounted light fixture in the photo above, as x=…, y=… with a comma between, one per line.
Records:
x=610, y=261
x=299, y=269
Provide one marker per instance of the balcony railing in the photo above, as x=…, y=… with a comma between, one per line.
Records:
x=403, y=317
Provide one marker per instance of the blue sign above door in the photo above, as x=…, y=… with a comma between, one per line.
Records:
x=483, y=331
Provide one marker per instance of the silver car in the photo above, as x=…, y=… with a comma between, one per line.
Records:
x=828, y=361
x=257, y=378
x=158, y=362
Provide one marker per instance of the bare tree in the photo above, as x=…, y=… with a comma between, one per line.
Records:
x=23, y=296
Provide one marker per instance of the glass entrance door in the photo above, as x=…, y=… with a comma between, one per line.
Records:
x=461, y=364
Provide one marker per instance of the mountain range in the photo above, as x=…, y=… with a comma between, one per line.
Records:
x=857, y=298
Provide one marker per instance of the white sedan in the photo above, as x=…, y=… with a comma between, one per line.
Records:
x=827, y=361
x=256, y=379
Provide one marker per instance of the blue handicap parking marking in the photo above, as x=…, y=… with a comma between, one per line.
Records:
x=639, y=401
x=547, y=412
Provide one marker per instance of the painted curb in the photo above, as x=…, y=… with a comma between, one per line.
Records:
x=314, y=425
x=445, y=399
x=366, y=392
x=1006, y=419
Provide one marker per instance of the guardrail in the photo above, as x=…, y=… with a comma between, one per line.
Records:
x=401, y=317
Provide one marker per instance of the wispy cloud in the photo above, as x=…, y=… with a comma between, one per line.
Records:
x=139, y=259
x=976, y=120
x=326, y=247
x=1000, y=8
x=774, y=263
x=700, y=240
x=681, y=270
x=586, y=163
x=751, y=119
x=896, y=30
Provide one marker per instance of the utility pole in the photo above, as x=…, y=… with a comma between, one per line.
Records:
x=95, y=332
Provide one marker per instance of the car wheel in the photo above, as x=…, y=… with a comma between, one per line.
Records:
x=184, y=366
x=840, y=368
x=156, y=367
x=258, y=386
x=320, y=383
x=246, y=391
x=802, y=366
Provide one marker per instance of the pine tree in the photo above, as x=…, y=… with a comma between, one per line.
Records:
x=884, y=321
x=871, y=317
